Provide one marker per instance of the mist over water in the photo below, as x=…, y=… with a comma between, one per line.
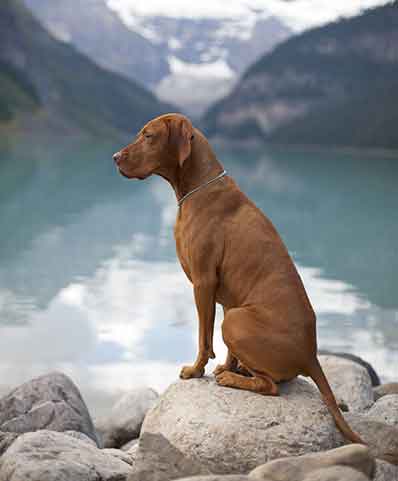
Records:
x=90, y=283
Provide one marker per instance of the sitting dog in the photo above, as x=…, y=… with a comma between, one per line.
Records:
x=233, y=255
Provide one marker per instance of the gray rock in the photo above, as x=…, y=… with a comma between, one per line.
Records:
x=130, y=444
x=381, y=438
x=385, y=389
x=118, y=453
x=233, y=431
x=48, y=402
x=6, y=439
x=53, y=456
x=354, y=456
x=385, y=410
x=227, y=477
x=336, y=473
x=349, y=381
x=133, y=451
x=81, y=436
x=385, y=471
x=352, y=357
x=158, y=460
x=126, y=417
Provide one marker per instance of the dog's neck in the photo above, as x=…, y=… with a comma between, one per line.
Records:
x=200, y=167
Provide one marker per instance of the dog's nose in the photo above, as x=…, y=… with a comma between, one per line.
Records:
x=116, y=157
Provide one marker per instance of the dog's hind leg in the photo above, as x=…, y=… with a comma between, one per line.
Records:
x=261, y=385
x=261, y=347
x=230, y=364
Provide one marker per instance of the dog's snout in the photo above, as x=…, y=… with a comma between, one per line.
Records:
x=116, y=157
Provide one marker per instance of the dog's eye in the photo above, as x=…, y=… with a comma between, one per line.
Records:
x=148, y=136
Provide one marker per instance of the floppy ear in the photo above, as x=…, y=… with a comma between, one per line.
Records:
x=180, y=136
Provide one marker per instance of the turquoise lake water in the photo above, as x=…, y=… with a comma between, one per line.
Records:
x=90, y=283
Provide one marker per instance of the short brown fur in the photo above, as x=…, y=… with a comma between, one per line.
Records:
x=233, y=255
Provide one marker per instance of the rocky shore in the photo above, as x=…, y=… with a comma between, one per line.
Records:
x=200, y=431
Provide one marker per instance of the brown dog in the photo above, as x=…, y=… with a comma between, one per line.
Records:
x=233, y=255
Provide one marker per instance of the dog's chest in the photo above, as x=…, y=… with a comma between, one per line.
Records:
x=182, y=247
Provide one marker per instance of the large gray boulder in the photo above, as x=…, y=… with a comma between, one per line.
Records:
x=349, y=381
x=156, y=459
x=336, y=473
x=385, y=410
x=233, y=431
x=381, y=438
x=352, y=357
x=48, y=402
x=297, y=468
x=6, y=439
x=53, y=456
x=125, y=419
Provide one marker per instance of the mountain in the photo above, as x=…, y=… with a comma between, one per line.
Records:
x=332, y=85
x=174, y=56
x=46, y=84
x=16, y=93
x=98, y=32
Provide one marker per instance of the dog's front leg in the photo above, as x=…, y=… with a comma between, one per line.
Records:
x=205, y=298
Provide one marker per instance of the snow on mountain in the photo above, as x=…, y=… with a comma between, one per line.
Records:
x=182, y=8
x=196, y=85
x=217, y=69
x=175, y=49
x=296, y=14
x=206, y=50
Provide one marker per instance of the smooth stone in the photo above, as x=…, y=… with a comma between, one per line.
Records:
x=126, y=417
x=336, y=473
x=156, y=459
x=385, y=389
x=232, y=431
x=385, y=410
x=381, y=438
x=355, y=456
x=349, y=381
x=49, y=402
x=53, y=456
x=352, y=357
x=385, y=471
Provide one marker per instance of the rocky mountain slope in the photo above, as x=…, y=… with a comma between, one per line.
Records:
x=333, y=85
x=174, y=56
x=16, y=93
x=46, y=84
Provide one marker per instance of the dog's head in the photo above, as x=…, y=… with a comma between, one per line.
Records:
x=163, y=144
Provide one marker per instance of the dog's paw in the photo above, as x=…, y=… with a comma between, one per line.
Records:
x=189, y=372
x=225, y=378
x=219, y=369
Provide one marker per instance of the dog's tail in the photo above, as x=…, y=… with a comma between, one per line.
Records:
x=318, y=376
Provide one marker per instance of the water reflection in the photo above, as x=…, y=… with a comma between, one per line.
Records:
x=89, y=281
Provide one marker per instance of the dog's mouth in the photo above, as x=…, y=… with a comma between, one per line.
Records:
x=139, y=177
x=122, y=173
